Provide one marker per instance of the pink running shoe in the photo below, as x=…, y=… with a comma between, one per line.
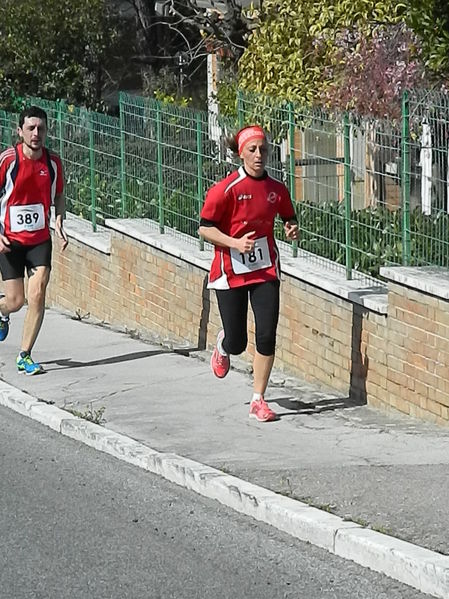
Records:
x=220, y=364
x=260, y=410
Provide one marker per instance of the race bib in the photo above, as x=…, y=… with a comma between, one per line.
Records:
x=249, y=262
x=26, y=218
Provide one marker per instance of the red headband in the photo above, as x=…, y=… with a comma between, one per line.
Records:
x=249, y=134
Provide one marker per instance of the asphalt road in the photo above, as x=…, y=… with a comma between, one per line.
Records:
x=78, y=524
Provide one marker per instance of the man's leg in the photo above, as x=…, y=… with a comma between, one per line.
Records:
x=11, y=302
x=12, y=267
x=38, y=278
x=14, y=297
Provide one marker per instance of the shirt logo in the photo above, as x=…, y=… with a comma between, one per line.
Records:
x=43, y=172
x=244, y=196
x=272, y=197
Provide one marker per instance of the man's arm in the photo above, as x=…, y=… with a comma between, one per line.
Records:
x=59, y=218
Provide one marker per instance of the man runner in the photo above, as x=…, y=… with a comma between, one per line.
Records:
x=31, y=180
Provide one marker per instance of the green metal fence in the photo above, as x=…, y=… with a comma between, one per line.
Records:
x=427, y=185
x=8, y=126
x=89, y=145
x=367, y=192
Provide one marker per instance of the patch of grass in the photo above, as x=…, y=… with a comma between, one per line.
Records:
x=357, y=520
x=90, y=414
x=224, y=469
x=325, y=507
x=384, y=530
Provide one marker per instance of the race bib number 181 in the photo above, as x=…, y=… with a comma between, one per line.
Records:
x=250, y=261
x=27, y=218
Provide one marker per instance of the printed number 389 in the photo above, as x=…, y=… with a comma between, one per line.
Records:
x=28, y=218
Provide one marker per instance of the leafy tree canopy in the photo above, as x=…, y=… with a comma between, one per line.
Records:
x=347, y=53
x=54, y=49
x=296, y=39
x=429, y=19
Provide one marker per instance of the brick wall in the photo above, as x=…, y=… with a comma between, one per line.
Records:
x=411, y=373
x=136, y=287
x=397, y=360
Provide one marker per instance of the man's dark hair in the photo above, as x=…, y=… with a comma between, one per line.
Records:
x=30, y=112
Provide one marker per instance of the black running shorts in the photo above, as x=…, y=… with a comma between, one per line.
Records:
x=13, y=263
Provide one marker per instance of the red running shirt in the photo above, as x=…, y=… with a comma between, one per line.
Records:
x=238, y=205
x=27, y=191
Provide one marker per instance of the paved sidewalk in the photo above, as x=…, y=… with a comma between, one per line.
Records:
x=391, y=473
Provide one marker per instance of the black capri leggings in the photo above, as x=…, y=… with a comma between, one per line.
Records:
x=233, y=306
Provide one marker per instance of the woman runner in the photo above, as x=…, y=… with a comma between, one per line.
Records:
x=238, y=219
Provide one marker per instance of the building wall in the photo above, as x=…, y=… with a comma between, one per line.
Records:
x=398, y=360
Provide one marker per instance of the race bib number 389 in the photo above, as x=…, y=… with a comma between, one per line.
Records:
x=250, y=261
x=26, y=218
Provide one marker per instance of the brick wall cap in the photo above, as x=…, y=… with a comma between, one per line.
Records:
x=81, y=229
x=433, y=280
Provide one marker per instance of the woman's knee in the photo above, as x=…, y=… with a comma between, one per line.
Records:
x=235, y=346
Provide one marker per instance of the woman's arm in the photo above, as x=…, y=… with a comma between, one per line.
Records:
x=215, y=236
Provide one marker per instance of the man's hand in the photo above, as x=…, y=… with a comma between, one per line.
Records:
x=59, y=229
x=4, y=245
x=291, y=230
x=245, y=244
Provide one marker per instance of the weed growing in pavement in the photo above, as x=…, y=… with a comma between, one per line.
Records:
x=326, y=507
x=383, y=529
x=356, y=520
x=95, y=416
x=376, y=527
x=224, y=469
x=286, y=492
x=79, y=315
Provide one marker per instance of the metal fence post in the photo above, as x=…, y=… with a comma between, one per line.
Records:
x=405, y=178
x=347, y=194
x=61, y=109
x=2, y=127
x=93, y=198
x=124, y=207
x=159, y=168
x=240, y=109
x=9, y=139
x=199, y=152
x=292, y=165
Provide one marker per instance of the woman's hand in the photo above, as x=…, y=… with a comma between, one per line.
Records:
x=245, y=244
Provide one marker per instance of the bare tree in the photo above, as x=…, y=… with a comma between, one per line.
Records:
x=223, y=24
x=190, y=27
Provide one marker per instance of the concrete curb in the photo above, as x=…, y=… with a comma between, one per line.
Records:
x=420, y=568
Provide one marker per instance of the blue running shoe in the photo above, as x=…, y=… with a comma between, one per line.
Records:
x=26, y=364
x=4, y=327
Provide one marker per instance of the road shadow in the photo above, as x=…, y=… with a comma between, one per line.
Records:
x=359, y=357
x=63, y=363
x=205, y=315
x=296, y=406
